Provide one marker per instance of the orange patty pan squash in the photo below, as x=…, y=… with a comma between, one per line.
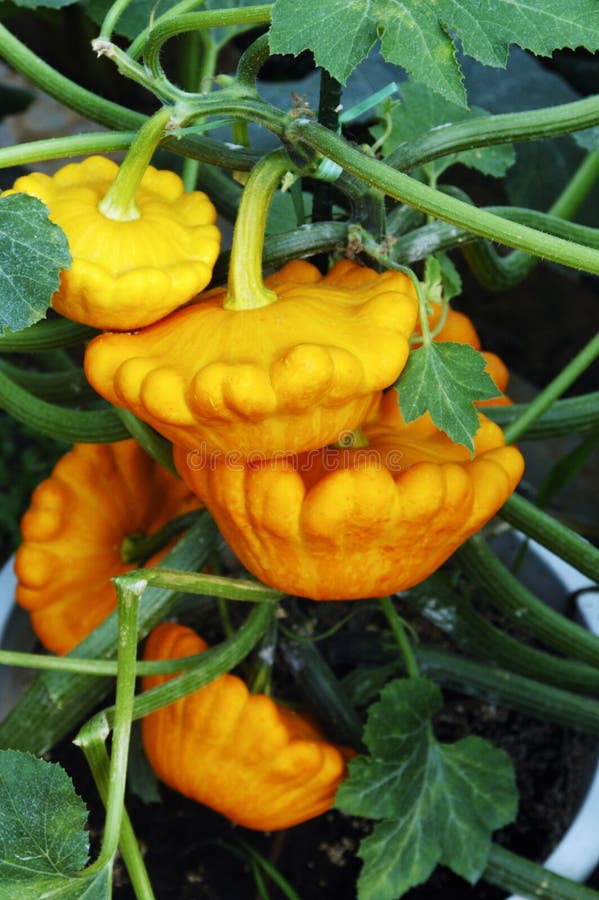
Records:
x=96, y=496
x=282, y=378
x=251, y=759
x=350, y=523
x=127, y=274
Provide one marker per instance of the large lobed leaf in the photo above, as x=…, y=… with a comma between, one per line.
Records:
x=438, y=803
x=43, y=844
x=33, y=251
x=420, y=37
x=445, y=379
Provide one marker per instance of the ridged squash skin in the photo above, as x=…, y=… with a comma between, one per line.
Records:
x=343, y=524
x=126, y=274
x=258, y=763
x=97, y=495
x=284, y=378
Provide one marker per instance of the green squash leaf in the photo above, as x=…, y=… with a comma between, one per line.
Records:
x=420, y=110
x=42, y=838
x=446, y=379
x=33, y=251
x=438, y=803
x=420, y=37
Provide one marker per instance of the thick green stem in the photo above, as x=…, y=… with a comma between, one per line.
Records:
x=554, y=390
x=112, y=16
x=440, y=205
x=174, y=25
x=59, y=422
x=154, y=444
x=322, y=690
x=101, y=667
x=575, y=192
x=136, y=549
x=514, y=873
x=184, y=6
x=552, y=534
x=110, y=114
x=529, y=125
x=300, y=243
x=580, y=414
x=119, y=201
x=498, y=686
x=52, y=82
x=152, y=79
x=214, y=663
x=94, y=732
x=399, y=633
x=99, y=763
x=208, y=585
x=246, y=288
x=494, y=271
x=450, y=611
x=502, y=272
x=55, y=387
x=521, y=606
x=251, y=61
x=47, y=335
x=198, y=68
x=63, y=147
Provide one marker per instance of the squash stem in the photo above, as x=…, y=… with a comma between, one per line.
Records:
x=516, y=602
x=211, y=665
x=251, y=61
x=119, y=202
x=96, y=730
x=441, y=605
x=513, y=873
x=59, y=422
x=551, y=533
x=306, y=134
x=352, y=440
x=583, y=359
x=399, y=633
x=246, y=289
x=153, y=443
x=138, y=548
x=99, y=763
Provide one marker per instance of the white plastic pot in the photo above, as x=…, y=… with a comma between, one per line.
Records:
x=577, y=854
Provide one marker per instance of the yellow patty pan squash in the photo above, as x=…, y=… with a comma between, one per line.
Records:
x=283, y=378
x=96, y=496
x=341, y=524
x=127, y=274
x=251, y=759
